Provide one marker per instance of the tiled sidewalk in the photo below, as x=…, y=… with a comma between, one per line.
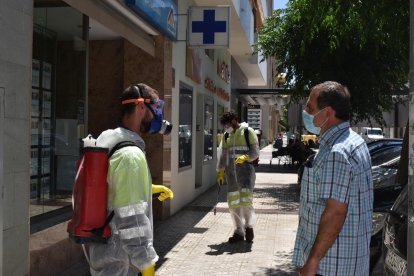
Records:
x=194, y=241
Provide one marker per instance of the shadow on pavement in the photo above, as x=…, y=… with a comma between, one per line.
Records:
x=283, y=265
x=281, y=198
x=274, y=168
x=230, y=249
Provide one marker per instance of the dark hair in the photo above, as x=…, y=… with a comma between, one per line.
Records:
x=227, y=117
x=136, y=91
x=336, y=96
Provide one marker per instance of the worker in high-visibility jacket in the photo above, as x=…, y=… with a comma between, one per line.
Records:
x=130, y=248
x=239, y=146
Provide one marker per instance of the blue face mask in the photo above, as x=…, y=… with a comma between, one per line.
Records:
x=158, y=125
x=308, y=122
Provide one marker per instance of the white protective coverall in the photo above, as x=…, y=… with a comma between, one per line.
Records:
x=130, y=247
x=240, y=178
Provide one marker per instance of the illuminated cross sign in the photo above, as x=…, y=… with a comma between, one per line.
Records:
x=208, y=27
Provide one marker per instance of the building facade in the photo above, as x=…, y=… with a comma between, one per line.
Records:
x=64, y=65
x=205, y=84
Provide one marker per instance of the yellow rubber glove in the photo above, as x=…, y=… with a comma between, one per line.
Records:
x=163, y=191
x=241, y=159
x=149, y=271
x=220, y=177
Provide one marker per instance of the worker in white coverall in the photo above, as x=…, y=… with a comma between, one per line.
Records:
x=239, y=146
x=130, y=248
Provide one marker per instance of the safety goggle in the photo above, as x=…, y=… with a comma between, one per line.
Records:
x=138, y=100
x=156, y=107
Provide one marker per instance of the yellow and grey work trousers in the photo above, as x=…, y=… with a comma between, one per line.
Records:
x=240, y=183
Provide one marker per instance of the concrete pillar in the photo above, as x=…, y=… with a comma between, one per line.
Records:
x=16, y=30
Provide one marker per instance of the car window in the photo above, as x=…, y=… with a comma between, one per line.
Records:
x=373, y=145
x=375, y=131
x=385, y=155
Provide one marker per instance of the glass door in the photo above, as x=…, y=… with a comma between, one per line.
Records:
x=58, y=101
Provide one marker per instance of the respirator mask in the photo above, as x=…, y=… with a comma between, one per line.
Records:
x=158, y=124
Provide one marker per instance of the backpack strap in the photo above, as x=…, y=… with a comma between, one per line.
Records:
x=226, y=136
x=246, y=137
x=121, y=145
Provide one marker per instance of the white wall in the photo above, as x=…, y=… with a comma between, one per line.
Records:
x=295, y=115
x=183, y=180
x=392, y=129
x=389, y=117
x=15, y=77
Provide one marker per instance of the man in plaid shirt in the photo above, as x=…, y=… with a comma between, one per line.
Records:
x=335, y=216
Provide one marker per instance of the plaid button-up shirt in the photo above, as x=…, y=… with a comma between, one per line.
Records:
x=341, y=171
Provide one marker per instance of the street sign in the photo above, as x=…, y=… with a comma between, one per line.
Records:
x=161, y=14
x=208, y=27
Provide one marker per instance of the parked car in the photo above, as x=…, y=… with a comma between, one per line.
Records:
x=386, y=189
x=373, y=146
x=371, y=133
x=385, y=154
x=375, y=246
x=385, y=160
x=394, y=250
x=384, y=170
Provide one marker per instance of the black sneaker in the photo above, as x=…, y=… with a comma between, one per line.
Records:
x=236, y=238
x=249, y=234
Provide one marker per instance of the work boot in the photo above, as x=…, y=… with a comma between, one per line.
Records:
x=236, y=238
x=249, y=234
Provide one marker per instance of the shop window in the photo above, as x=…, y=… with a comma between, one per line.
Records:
x=208, y=128
x=185, y=126
x=57, y=115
